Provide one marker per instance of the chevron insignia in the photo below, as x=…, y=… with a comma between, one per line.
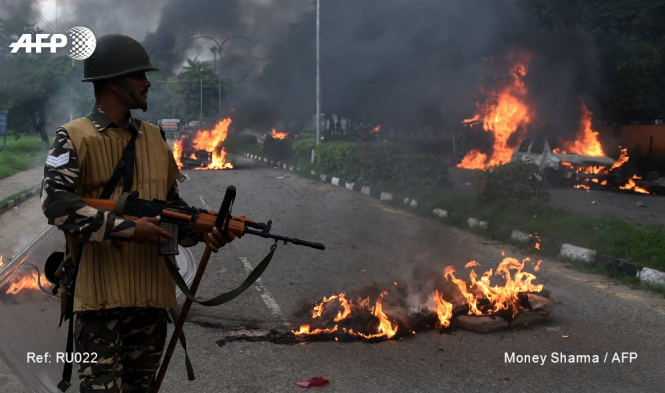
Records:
x=58, y=161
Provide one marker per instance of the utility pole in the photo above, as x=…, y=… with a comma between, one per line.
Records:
x=201, y=114
x=318, y=72
x=220, y=48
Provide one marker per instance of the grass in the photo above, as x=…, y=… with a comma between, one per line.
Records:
x=643, y=245
x=633, y=282
x=22, y=154
x=16, y=195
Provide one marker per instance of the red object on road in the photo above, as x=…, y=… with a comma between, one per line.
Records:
x=312, y=382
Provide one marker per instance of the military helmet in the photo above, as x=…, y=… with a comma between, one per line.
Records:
x=116, y=55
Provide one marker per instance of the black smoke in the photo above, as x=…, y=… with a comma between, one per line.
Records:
x=406, y=65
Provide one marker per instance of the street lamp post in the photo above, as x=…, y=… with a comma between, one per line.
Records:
x=220, y=47
x=318, y=73
x=201, y=114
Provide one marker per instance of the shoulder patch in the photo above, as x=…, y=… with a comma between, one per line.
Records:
x=57, y=161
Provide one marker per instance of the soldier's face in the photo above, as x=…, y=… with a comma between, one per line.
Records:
x=139, y=85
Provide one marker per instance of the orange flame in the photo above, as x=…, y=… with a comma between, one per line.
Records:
x=631, y=185
x=1, y=262
x=536, y=239
x=499, y=298
x=587, y=143
x=278, y=135
x=376, y=129
x=444, y=310
x=210, y=141
x=27, y=282
x=482, y=297
x=503, y=114
x=623, y=158
x=384, y=328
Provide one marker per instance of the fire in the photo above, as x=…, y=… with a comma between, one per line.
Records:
x=385, y=327
x=345, y=308
x=444, y=310
x=1, y=262
x=210, y=141
x=503, y=114
x=536, y=240
x=27, y=282
x=587, y=143
x=623, y=158
x=340, y=316
x=278, y=135
x=376, y=129
x=485, y=299
x=631, y=185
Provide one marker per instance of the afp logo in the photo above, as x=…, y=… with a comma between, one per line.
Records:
x=82, y=42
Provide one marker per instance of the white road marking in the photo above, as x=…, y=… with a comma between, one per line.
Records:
x=186, y=175
x=205, y=204
x=265, y=295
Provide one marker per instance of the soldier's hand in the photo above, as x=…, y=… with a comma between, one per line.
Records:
x=216, y=240
x=147, y=231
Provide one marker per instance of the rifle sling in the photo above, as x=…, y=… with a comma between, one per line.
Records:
x=224, y=297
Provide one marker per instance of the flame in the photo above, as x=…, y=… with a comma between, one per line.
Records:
x=536, y=239
x=210, y=141
x=26, y=282
x=444, y=310
x=305, y=329
x=376, y=129
x=623, y=158
x=582, y=186
x=348, y=307
x=587, y=143
x=177, y=150
x=631, y=185
x=503, y=114
x=1, y=262
x=385, y=326
x=335, y=314
x=497, y=298
x=278, y=135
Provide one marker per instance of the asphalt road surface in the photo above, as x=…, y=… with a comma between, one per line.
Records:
x=370, y=243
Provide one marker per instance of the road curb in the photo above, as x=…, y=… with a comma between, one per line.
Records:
x=19, y=199
x=610, y=263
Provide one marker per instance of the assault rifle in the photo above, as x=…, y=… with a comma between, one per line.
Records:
x=187, y=218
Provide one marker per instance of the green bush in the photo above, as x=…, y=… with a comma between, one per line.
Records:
x=514, y=183
x=236, y=143
x=384, y=163
x=277, y=149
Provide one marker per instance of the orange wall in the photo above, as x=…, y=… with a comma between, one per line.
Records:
x=637, y=136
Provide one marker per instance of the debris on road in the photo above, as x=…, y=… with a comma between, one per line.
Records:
x=312, y=382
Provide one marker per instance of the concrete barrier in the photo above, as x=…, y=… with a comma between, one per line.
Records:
x=652, y=276
x=577, y=253
x=440, y=213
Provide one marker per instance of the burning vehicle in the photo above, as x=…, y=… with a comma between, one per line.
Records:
x=204, y=149
x=558, y=168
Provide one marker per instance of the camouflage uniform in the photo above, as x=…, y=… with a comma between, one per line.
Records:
x=128, y=341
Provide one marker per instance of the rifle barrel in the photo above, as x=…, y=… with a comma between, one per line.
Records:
x=293, y=240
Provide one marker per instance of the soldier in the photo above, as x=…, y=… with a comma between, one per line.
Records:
x=123, y=287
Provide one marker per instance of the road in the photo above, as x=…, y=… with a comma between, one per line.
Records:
x=369, y=243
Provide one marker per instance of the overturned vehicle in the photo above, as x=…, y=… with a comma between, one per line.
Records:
x=561, y=169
